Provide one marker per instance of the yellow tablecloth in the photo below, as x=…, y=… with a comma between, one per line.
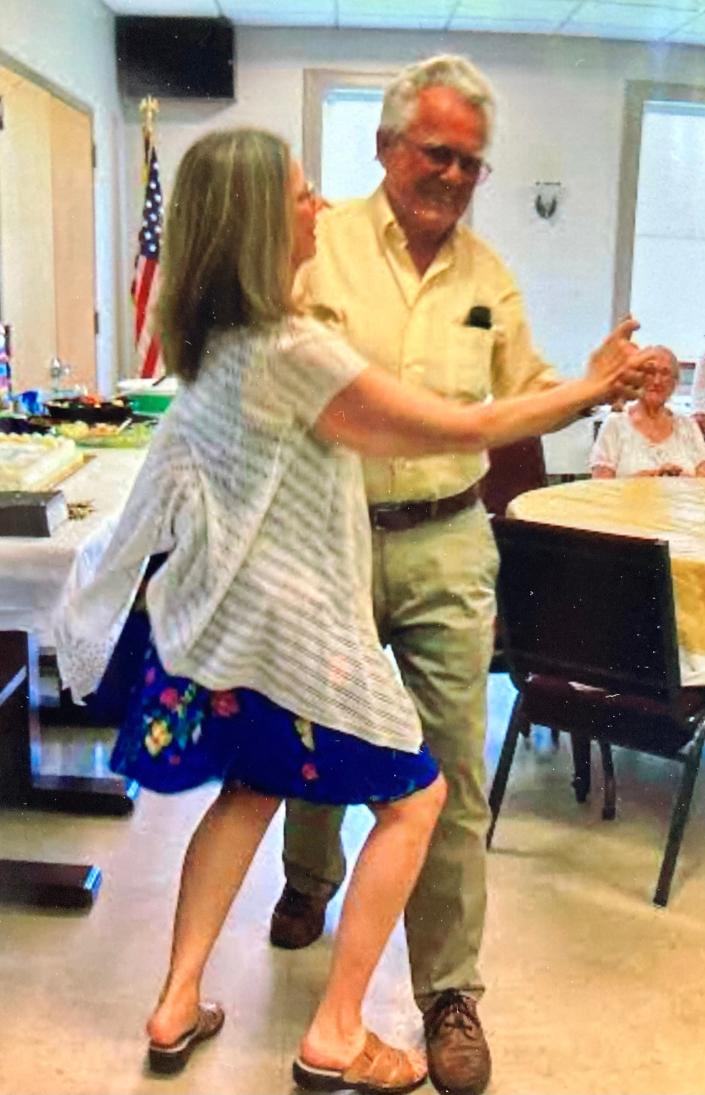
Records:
x=660, y=508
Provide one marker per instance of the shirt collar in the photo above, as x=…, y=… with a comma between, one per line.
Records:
x=383, y=218
x=385, y=222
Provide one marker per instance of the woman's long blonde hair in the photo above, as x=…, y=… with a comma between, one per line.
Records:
x=227, y=245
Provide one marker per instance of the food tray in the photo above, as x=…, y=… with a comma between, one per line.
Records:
x=133, y=437
x=57, y=477
x=131, y=434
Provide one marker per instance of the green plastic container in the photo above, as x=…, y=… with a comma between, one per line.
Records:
x=149, y=402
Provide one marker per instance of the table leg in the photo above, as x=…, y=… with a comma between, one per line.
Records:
x=25, y=784
x=104, y=795
x=56, y=885
x=581, y=765
x=63, y=885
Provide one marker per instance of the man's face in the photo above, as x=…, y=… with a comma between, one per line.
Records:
x=305, y=206
x=433, y=167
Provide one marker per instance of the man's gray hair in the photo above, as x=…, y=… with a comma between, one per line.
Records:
x=445, y=69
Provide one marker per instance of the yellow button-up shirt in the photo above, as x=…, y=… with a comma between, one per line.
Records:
x=364, y=281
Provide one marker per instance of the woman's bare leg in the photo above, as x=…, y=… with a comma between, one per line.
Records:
x=380, y=885
x=216, y=862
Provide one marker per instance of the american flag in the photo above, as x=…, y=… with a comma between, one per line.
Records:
x=145, y=283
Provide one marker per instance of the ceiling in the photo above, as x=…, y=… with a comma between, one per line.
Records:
x=641, y=20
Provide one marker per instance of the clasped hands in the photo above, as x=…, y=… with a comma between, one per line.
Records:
x=663, y=469
x=622, y=361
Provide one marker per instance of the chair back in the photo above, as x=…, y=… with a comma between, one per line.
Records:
x=513, y=470
x=587, y=607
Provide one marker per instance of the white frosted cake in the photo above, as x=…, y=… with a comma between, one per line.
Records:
x=28, y=461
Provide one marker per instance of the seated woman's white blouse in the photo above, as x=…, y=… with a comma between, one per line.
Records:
x=622, y=448
x=268, y=578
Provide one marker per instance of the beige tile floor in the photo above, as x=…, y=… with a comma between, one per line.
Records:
x=590, y=987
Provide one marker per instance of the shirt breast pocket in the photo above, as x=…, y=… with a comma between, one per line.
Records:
x=466, y=372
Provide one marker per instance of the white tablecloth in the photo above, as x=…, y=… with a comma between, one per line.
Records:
x=34, y=571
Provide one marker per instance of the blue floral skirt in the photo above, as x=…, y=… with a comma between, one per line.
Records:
x=177, y=735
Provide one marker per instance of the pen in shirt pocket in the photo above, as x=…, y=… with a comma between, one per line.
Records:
x=479, y=316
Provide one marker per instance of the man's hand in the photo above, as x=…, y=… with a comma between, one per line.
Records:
x=620, y=362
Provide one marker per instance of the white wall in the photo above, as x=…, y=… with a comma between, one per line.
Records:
x=560, y=117
x=69, y=43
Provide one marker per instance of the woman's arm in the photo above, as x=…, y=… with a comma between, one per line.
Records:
x=377, y=416
x=606, y=451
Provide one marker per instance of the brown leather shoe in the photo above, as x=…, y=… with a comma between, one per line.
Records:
x=458, y=1055
x=297, y=920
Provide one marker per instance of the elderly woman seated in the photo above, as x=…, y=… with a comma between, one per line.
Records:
x=647, y=438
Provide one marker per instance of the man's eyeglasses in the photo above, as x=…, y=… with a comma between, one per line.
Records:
x=442, y=156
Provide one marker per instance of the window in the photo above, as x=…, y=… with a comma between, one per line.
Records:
x=661, y=242
x=341, y=116
x=349, y=124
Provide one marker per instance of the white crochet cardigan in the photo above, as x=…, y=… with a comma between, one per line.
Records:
x=267, y=582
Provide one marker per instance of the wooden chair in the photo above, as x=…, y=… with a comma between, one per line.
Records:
x=589, y=635
x=513, y=470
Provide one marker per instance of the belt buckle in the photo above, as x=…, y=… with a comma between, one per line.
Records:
x=379, y=509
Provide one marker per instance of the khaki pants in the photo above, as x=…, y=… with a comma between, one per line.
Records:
x=435, y=607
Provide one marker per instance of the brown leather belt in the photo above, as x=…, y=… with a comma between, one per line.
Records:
x=400, y=516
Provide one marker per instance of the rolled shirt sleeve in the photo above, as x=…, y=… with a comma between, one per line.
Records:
x=315, y=365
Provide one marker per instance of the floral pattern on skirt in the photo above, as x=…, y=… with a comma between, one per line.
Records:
x=177, y=735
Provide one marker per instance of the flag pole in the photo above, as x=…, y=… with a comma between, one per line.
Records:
x=149, y=109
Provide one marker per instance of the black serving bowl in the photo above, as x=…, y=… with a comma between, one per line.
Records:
x=73, y=410
x=22, y=424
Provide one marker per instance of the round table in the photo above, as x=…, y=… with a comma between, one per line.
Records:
x=653, y=508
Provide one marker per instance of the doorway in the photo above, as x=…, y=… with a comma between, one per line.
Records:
x=47, y=245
